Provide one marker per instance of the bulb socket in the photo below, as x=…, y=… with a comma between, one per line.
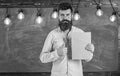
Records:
x=98, y=7
x=76, y=11
x=114, y=13
x=7, y=16
x=55, y=10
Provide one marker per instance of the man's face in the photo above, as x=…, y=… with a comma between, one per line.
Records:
x=65, y=14
x=65, y=19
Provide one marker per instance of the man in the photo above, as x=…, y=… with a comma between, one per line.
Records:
x=55, y=47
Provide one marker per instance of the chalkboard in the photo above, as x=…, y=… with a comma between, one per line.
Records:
x=105, y=56
x=20, y=53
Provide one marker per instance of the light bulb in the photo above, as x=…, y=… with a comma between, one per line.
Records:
x=113, y=17
x=39, y=19
x=76, y=15
x=99, y=12
x=21, y=16
x=54, y=15
x=7, y=21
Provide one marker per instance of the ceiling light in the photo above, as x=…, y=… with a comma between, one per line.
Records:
x=54, y=14
x=76, y=15
x=21, y=15
x=7, y=20
x=39, y=19
x=99, y=12
x=113, y=17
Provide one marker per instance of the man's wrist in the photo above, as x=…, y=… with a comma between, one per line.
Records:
x=90, y=51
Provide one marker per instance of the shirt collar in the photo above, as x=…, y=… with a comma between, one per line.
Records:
x=69, y=33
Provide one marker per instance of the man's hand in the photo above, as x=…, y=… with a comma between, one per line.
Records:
x=90, y=47
x=61, y=51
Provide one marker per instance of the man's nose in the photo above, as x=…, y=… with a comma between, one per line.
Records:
x=65, y=17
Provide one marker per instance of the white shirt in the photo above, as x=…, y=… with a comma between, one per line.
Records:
x=62, y=66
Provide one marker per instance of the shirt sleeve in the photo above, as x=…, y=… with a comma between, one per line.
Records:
x=46, y=54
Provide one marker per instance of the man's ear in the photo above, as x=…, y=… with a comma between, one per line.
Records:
x=72, y=16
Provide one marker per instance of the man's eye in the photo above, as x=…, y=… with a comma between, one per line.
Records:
x=68, y=14
x=62, y=14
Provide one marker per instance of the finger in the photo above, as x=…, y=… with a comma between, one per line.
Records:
x=65, y=50
x=87, y=47
x=62, y=46
x=90, y=47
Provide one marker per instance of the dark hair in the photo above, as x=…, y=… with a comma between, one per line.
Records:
x=65, y=6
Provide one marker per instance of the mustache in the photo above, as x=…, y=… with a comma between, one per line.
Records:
x=65, y=21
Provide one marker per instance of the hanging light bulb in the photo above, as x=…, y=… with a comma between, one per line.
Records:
x=76, y=15
x=113, y=17
x=39, y=19
x=54, y=14
x=7, y=20
x=21, y=15
x=99, y=12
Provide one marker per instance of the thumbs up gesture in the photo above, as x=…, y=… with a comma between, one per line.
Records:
x=62, y=50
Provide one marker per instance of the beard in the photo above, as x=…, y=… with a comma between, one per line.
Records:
x=65, y=25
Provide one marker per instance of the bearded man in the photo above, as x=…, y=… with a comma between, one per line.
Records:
x=58, y=40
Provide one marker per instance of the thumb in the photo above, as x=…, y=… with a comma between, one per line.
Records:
x=62, y=46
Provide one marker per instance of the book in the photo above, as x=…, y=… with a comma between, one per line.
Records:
x=79, y=41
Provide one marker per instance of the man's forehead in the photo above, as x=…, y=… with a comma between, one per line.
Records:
x=64, y=11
